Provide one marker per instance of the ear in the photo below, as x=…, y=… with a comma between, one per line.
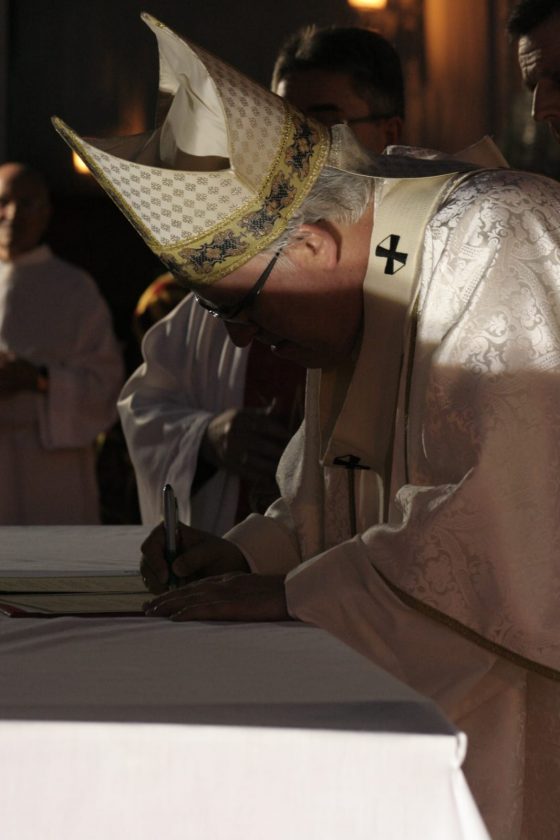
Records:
x=393, y=129
x=315, y=246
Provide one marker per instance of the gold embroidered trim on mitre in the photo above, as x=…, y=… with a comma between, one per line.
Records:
x=81, y=148
x=228, y=245
x=302, y=155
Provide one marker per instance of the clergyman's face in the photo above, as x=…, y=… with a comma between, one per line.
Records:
x=539, y=60
x=330, y=97
x=302, y=316
x=24, y=211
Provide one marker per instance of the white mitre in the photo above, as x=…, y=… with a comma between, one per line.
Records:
x=225, y=168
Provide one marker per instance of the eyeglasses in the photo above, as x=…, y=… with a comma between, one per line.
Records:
x=230, y=313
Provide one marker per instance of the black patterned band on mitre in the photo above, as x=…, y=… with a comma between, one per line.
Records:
x=218, y=252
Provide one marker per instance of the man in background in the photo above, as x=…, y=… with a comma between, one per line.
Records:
x=535, y=24
x=212, y=418
x=344, y=74
x=60, y=367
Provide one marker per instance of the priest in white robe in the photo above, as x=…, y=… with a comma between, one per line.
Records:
x=60, y=367
x=420, y=512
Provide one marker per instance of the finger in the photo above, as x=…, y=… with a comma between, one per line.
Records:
x=192, y=564
x=154, y=542
x=205, y=559
x=164, y=607
x=151, y=579
x=172, y=601
x=205, y=602
x=242, y=597
x=211, y=608
x=153, y=567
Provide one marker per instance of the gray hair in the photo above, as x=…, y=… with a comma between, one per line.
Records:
x=340, y=193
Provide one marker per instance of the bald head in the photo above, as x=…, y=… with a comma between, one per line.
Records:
x=24, y=209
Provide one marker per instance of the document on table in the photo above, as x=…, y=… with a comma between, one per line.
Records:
x=71, y=569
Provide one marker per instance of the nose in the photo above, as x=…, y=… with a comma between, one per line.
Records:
x=241, y=334
x=546, y=101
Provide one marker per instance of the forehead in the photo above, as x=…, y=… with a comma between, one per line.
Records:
x=539, y=50
x=18, y=183
x=314, y=90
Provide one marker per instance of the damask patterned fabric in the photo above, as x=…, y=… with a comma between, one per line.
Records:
x=474, y=521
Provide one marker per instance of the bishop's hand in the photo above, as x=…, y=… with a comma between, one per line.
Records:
x=229, y=597
x=199, y=555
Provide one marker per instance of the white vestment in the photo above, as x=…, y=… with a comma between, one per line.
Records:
x=192, y=371
x=472, y=525
x=52, y=315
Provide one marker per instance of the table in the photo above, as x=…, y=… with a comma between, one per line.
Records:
x=144, y=728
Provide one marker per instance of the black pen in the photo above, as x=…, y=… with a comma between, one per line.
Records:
x=171, y=525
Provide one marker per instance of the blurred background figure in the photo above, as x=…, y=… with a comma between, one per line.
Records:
x=212, y=418
x=60, y=367
x=344, y=74
x=535, y=25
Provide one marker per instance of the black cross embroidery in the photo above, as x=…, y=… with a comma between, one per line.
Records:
x=388, y=249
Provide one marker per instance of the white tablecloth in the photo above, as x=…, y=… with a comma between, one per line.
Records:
x=142, y=728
